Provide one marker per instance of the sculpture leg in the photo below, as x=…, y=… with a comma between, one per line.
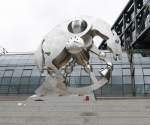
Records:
x=54, y=83
x=96, y=84
x=105, y=72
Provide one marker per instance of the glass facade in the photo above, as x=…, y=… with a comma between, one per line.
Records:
x=20, y=76
x=123, y=84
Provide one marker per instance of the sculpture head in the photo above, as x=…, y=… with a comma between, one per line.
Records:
x=77, y=26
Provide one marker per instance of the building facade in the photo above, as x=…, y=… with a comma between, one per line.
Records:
x=20, y=76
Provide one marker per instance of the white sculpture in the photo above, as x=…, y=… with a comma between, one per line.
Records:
x=70, y=43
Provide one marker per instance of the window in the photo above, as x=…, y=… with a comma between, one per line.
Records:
x=1, y=73
x=147, y=89
x=139, y=80
x=126, y=72
x=125, y=60
x=138, y=72
x=146, y=71
x=7, y=77
x=139, y=89
x=27, y=72
x=145, y=60
x=74, y=80
x=106, y=90
x=127, y=80
x=147, y=79
x=85, y=81
x=6, y=81
x=35, y=77
x=17, y=73
x=127, y=90
x=116, y=79
x=137, y=60
x=25, y=81
x=76, y=72
x=117, y=72
x=96, y=72
x=117, y=90
x=83, y=73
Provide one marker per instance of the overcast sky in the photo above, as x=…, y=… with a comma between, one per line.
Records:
x=23, y=23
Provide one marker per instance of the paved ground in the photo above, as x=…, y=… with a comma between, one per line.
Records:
x=74, y=111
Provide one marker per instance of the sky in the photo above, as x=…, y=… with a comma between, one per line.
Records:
x=24, y=23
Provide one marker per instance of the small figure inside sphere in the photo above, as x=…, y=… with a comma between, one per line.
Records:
x=78, y=26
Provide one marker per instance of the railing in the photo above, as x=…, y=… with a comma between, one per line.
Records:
x=133, y=24
x=2, y=51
